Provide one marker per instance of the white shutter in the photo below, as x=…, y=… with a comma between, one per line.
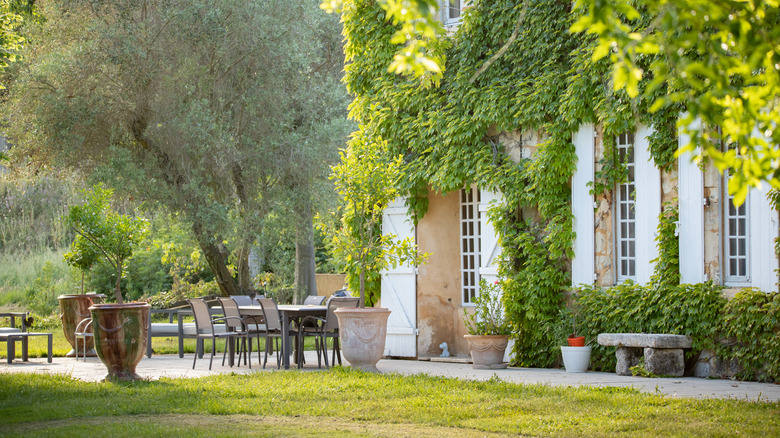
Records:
x=691, y=208
x=763, y=231
x=648, y=204
x=583, y=265
x=399, y=288
x=489, y=248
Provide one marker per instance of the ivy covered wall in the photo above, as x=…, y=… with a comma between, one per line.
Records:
x=544, y=81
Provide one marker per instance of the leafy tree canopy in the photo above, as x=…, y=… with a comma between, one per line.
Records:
x=719, y=58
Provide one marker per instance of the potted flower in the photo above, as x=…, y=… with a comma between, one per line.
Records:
x=488, y=328
x=576, y=355
x=119, y=328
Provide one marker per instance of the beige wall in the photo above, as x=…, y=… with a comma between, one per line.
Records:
x=329, y=283
x=439, y=310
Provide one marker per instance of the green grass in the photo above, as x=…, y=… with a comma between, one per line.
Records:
x=346, y=402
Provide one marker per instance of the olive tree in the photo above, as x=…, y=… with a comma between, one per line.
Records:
x=211, y=109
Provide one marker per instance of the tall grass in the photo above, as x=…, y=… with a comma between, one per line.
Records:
x=32, y=281
x=32, y=210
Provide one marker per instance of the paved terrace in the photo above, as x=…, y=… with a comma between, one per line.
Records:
x=172, y=366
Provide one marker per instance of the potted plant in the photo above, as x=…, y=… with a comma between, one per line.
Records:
x=119, y=328
x=366, y=184
x=576, y=355
x=488, y=328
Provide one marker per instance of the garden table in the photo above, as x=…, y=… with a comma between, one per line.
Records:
x=287, y=312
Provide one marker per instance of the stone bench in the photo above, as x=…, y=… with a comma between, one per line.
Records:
x=663, y=353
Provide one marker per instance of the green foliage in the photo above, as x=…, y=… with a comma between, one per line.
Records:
x=718, y=59
x=752, y=324
x=32, y=208
x=367, y=184
x=102, y=234
x=488, y=316
x=693, y=310
x=666, y=272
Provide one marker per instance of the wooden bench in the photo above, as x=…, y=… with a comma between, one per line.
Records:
x=663, y=353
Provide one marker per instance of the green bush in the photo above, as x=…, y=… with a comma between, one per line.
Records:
x=693, y=310
x=752, y=325
x=745, y=328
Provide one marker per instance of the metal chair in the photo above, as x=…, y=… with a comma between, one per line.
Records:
x=204, y=324
x=83, y=331
x=322, y=329
x=314, y=300
x=237, y=323
x=273, y=329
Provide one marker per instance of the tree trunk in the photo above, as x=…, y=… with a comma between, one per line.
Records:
x=304, y=256
x=244, y=274
x=216, y=257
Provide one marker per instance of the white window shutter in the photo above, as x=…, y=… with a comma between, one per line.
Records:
x=489, y=247
x=583, y=265
x=648, y=204
x=763, y=232
x=691, y=199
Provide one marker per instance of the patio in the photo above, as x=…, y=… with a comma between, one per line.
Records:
x=171, y=366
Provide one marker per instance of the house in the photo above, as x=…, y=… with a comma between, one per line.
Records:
x=615, y=232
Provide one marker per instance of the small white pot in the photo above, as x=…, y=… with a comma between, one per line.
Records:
x=576, y=359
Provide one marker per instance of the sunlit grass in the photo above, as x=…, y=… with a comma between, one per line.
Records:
x=348, y=402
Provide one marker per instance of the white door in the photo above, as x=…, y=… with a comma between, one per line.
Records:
x=399, y=288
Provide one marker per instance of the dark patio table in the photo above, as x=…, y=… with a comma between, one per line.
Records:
x=288, y=312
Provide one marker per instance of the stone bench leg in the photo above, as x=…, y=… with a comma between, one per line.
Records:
x=627, y=357
x=665, y=361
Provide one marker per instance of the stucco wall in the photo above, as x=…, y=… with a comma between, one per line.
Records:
x=439, y=310
x=329, y=283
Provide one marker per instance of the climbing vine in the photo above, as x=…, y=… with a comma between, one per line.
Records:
x=511, y=66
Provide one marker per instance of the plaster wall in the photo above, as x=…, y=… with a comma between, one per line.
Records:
x=439, y=309
x=712, y=214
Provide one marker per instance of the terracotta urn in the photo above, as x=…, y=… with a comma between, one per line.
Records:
x=74, y=309
x=362, y=333
x=120, y=337
x=487, y=351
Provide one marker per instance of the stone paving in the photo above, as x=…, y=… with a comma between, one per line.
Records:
x=172, y=366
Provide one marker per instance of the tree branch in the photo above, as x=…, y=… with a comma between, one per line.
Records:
x=506, y=45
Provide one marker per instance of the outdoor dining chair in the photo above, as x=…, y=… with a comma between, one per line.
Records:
x=236, y=323
x=322, y=329
x=273, y=329
x=206, y=329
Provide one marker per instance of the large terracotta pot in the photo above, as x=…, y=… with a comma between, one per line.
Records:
x=362, y=334
x=487, y=351
x=74, y=309
x=120, y=337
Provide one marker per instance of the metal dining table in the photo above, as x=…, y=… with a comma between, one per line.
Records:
x=288, y=312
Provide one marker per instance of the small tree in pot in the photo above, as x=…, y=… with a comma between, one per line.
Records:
x=366, y=181
x=488, y=327
x=120, y=329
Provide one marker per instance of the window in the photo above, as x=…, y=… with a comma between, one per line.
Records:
x=451, y=10
x=625, y=217
x=470, y=243
x=736, y=236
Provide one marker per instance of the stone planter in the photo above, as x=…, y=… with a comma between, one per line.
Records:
x=576, y=359
x=362, y=334
x=487, y=351
x=120, y=337
x=74, y=309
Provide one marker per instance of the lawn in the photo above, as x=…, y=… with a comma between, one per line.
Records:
x=343, y=402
